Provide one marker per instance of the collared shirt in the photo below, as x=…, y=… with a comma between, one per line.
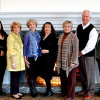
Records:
x=92, y=40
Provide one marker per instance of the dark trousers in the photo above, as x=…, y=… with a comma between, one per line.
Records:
x=86, y=70
x=32, y=71
x=48, y=84
x=68, y=84
x=15, y=79
x=2, y=70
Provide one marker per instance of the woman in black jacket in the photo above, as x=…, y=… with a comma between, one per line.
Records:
x=48, y=44
x=3, y=48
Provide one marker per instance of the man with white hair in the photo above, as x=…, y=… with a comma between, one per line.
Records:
x=87, y=36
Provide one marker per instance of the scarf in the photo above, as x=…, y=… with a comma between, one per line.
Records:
x=35, y=44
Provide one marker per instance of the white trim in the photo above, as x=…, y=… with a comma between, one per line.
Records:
x=56, y=18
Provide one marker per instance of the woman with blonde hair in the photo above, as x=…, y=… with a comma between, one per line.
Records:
x=67, y=60
x=15, y=59
x=32, y=53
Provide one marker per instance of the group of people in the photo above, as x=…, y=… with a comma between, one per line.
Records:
x=41, y=50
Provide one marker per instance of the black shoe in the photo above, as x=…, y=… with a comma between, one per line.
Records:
x=38, y=93
x=48, y=93
x=15, y=97
x=32, y=85
x=33, y=95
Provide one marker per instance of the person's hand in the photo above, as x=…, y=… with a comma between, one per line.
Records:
x=2, y=53
x=45, y=51
x=27, y=63
x=72, y=65
x=14, y=66
x=80, y=53
x=58, y=71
